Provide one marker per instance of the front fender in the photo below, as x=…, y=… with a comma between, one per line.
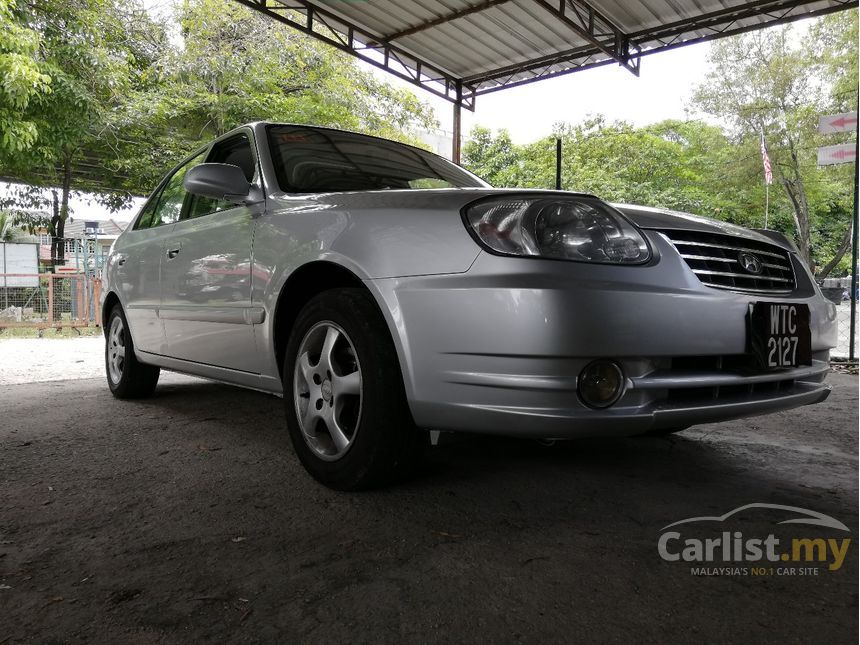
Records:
x=370, y=243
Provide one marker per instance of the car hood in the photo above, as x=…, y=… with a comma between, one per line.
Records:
x=659, y=218
x=446, y=199
x=429, y=199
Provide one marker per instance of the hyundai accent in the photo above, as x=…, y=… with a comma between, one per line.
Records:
x=385, y=293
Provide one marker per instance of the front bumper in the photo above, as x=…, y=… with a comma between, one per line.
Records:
x=498, y=349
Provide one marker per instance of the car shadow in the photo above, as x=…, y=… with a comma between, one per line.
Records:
x=683, y=474
x=197, y=499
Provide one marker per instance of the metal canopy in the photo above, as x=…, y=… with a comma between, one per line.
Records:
x=462, y=49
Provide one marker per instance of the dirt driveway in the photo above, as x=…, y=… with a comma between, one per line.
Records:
x=187, y=518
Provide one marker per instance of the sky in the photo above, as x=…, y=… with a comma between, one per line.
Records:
x=662, y=91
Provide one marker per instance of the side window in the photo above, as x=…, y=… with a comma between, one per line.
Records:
x=235, y=150
x=173, y=196
x=145, y=219
x=166, y=207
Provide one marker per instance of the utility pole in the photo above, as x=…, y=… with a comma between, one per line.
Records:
x=558, y=163
x=852, y=349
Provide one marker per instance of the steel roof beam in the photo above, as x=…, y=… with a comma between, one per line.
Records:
x=536, y=63
x=719, y=24
x=441, y=20
x=724, y=21
x=586, y=63
x=596, y=29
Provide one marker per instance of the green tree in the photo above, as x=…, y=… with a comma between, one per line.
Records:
x=84, y=47
x=832, y=41
x=626, y=164
x=669, y=164
x=126, y=101
x=235, y=65
x=22, y=79
x=770, y=82
x=494, y=158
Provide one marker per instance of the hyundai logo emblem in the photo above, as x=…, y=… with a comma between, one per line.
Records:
x=750, y=263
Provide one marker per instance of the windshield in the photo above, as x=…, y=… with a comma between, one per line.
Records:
x=319, y=160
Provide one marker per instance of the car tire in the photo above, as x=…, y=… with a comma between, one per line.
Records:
x=127, y=377
x=350, y=432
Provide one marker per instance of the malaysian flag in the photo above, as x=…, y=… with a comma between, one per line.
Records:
x=768, y=173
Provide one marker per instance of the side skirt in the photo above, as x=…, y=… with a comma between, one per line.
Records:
x=224, y=375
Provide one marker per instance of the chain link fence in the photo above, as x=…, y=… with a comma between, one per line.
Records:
x=45, y=300
x=843, y=316
x=838, y=290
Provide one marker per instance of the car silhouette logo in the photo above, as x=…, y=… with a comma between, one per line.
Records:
x=750, y=263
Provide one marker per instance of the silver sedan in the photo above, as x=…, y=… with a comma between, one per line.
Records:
x=389, y=294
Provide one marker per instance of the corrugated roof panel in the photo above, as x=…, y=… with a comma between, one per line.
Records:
x=492, y=43
x=514, y=32
x=384, y=17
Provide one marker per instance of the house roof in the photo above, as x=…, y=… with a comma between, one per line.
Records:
x=75, y=228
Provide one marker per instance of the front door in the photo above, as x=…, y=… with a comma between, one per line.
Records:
x=139, y=258
x=206, y=272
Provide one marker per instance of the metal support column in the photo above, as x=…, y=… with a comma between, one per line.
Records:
x=558, y=163
x=852, y=348
x=457, y=136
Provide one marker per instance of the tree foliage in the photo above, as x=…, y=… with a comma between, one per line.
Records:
x=87, y=50
x=233, y=65
x=22, y=79
x=673, y=164
x=771, y=82
x=100, y=96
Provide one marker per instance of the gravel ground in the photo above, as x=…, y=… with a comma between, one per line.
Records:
x=30, y=360
x=187, y=518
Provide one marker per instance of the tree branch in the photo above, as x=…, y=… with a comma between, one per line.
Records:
x=841, y=250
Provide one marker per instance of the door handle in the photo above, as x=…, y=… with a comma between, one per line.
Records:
x=172, y=253
x=120, y=260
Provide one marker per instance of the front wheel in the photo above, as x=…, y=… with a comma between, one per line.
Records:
x=346, y=408
x=127, y=377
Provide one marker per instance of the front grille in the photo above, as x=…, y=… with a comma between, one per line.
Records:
x=741, y=365
x=716, y=261
x=726, y=393
x=683, y=381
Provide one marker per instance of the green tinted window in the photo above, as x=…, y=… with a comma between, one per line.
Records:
x=145, y=219
x=236, y=151
x=173, y=195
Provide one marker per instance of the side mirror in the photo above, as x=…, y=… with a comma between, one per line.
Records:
x=219, y=181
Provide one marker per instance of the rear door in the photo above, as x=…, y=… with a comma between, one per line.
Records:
x=206, y=299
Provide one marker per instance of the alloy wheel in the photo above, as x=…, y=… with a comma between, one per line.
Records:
x=116, y=349
x=327, y=390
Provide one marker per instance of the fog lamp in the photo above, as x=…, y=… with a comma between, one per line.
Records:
x=601, y=383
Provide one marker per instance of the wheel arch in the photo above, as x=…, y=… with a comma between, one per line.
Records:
x=111, y=300
x=306, y=282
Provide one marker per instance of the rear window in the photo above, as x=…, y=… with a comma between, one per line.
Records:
x=318, y=160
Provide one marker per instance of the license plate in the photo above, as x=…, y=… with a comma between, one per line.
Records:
x=779, y=334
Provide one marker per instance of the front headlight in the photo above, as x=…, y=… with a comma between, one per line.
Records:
x=559, y=227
